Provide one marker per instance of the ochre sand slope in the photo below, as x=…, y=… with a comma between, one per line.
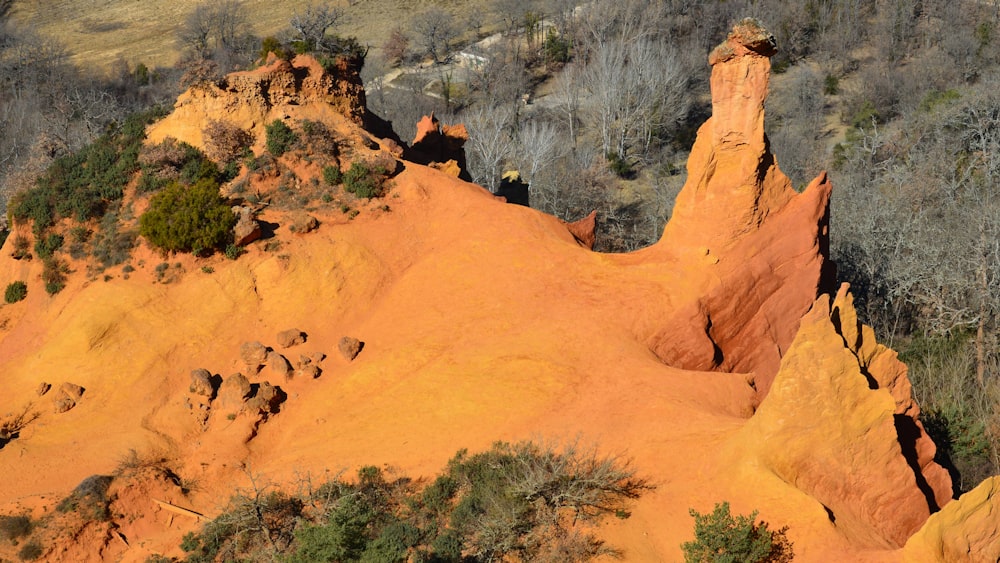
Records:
x=484, y=321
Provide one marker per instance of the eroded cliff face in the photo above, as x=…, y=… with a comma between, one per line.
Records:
x=840, y=425
x=281, y=89
x=760, y=247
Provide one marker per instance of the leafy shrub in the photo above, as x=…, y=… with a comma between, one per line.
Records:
x=54, y=275
x=518, y=501
x=13, y=527
x=174, y=160
x=83, y=185
x=188, y=219
x=721, y=537
x=21, y=248
x=365, y=180
x=556, y=48
x=16, y=291
x=831, y=85
x=30, y=551
x=46, y=246
x=271, y=44
x=233, y=252
x=619, y=165
x=280, y=137
x=332, y=175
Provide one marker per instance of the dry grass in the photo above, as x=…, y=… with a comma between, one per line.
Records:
x=101, y=32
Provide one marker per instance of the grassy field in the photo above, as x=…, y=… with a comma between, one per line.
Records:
x=100, y=32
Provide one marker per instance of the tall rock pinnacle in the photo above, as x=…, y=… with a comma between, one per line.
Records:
x=765, y=246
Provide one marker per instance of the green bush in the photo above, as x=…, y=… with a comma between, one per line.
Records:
x=720, y=537
x=83, y=185
x=14, y=527
x=280, y=137
x=54, y=275
x=365, y=180
x=332, y=175
x=16, y=291
x=30, y=551
x=21, y=248
x=188, y=219
x=513, y=501
x=620, y=166
x=233, y=252
x=90, y=498
x=46, y=246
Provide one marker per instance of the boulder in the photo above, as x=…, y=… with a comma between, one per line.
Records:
x=253, y=354
x=233, y=393
x=279, y=364
x=42, y=388
x=309, y=371
x=265, y=400
x=303, y=223
x=247, y=228
x=67, y=397
x=350, y=347
x=201, y=382
x=291, y=337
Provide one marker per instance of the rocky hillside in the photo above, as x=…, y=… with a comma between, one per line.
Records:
x=395, y=330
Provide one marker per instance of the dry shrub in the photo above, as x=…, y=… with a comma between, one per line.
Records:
x=225, y=142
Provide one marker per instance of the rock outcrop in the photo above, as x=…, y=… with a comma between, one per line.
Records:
x=67, y=397
x=350, y=347
x=440, y=146
x=281, y=89
x=857, y=447
x=966, y=530
x=247, y=228
x=761, y=248
x=291, y=337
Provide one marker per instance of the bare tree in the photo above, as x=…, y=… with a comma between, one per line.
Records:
x=538, y=146
x=312, y=25
x=637, y=91
x=490, y=143
x=435, y=31
x=218, y=30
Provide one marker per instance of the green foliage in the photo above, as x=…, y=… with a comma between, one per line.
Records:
x=936, y=98
x=30, y=551
x=4, y=233
x=958, y=413
x=865, y=115
x=271, y=44
x=188, y=219
x=512, y=501
x=83, y=185
x=720, y=537
x=332, y=175
x=365, y=180
x=112, y=245
x=831, y=85
x=556, y=48
x=16, y=291
x=280, y=137
x=46, y=246
x=14, y=527
x=620, y=166
x=54, y=275
x=21, y=248
x=90, y=498
x=233, y=252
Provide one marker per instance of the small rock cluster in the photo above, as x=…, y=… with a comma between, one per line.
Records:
x=236, y=395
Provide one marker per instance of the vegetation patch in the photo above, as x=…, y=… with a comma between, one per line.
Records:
x=16, y=291
x=188, y=219
x=366, y=180
x=519, y=501
x=720, y=536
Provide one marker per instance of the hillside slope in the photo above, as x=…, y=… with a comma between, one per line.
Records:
x=717, y=359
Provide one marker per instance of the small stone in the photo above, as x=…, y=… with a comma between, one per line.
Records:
x=43, y=388
x=279, y=364
x=201, y=382
x=291, y=337
x=350, y=347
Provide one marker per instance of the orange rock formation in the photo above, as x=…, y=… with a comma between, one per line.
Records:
x=481, y=322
